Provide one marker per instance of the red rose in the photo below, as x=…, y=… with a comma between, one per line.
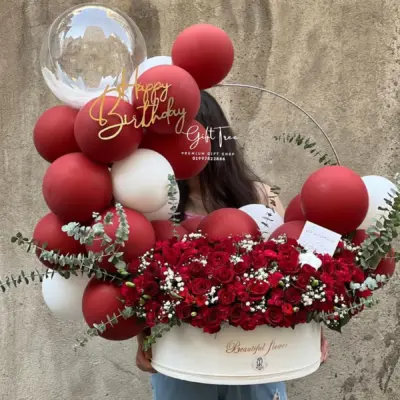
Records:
x=276, y=298
x=292, y=295
x=302, y=281
x=236, y=314
x=259, y=260
x=274, y=279
x=196, y=269
x=226, y=245
x=183, y=311
x=188, y=255
x=151, y=288
x=343, y=273
x=248, y=323
x=133, y=266
x=201, y=301
x=200, y=286
x=243, y=296
x=364, y=293
x=347, y=256
x=209, y=270
x=171, y=255
x=130, y=295
x=358, y=275
x=184, y=273
x=272, y=255
x=270, y=245
x=224, y=312
x=311, y=271
x=300, y=317
x=153, y=270
x=224, y=274
x=242, y=266
x=289, y=265
x=151, y=319
x=212, y=320
x=219, y=258
x=327, y=279
x=287, y=309
x=288, y=259
x=258, y=289
x=226, y=296
x=273, y=316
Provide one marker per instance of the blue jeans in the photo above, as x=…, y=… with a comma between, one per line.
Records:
x=166, y=388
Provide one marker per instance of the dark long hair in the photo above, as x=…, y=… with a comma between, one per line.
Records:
x=228, y=183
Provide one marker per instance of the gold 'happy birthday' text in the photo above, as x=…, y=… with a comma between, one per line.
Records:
x=153, y=95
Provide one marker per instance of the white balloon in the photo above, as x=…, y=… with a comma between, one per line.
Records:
x=64, y=296
x=379, y=189
x=164, y=213
x=153, y=62
x=140, y=181
x=264, y=215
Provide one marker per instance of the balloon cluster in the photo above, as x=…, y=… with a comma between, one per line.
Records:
x=125, y=139
x=338, y=199
x=118, y=147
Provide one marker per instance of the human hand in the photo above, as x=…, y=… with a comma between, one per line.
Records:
x=143, y=358
x=324, y=348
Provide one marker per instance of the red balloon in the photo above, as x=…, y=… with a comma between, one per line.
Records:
x=164, y=230
x=228, y=221
x=387, y=266
x=182, y=96
x=74, y=187
x=141, y=237
x=117, y=141
x=100, y=300
x=292, y=230
x=359, y=236
x=336, y=198
x=48, y=230
x=53, y=135
x=206, y=52
x=175, y=149
x=192, y=224
x=294, y=211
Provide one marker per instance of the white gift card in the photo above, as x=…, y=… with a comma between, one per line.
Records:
x=318, y=239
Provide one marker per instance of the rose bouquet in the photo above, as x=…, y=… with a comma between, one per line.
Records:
x=245, y=282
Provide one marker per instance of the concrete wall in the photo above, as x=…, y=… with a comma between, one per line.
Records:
x=340, y=59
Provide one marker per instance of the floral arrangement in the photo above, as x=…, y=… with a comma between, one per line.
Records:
x=241, y=280
x=246, y=282
x=130, y=265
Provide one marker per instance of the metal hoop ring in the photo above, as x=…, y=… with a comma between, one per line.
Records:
x=290, y=102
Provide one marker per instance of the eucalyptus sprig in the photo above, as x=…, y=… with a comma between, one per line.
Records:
x=381, y=235
x=10, y=280
x=158, y=331
x=173, y=192
x=67, y=264
x=101, y=327
x=307, y=144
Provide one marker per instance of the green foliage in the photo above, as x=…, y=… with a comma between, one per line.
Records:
x=173, y=192
x=382, y=233
x=344, y=314
x=307, y=144
x=158, y=331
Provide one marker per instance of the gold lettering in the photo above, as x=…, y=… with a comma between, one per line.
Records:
x=234, y=347
x=153, y=95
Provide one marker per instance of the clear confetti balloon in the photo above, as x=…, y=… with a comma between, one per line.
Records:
x=86, y=49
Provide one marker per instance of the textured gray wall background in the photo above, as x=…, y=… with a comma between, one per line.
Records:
x=340, y=59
